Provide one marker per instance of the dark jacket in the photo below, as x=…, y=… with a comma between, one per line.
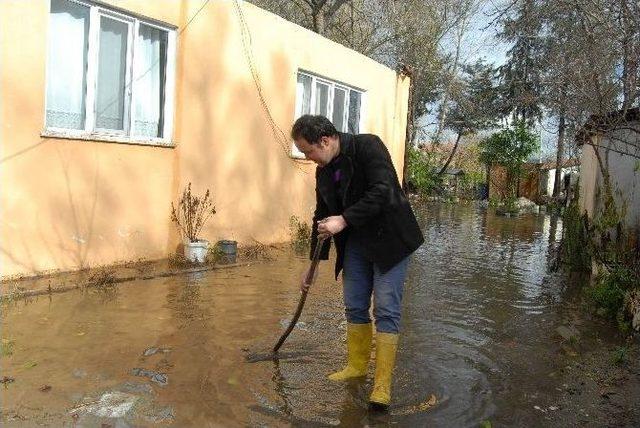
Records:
x=375, y=207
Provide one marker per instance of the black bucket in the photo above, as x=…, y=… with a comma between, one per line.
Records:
x=228, y=251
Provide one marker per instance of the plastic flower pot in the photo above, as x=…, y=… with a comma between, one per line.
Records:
x=196, y=251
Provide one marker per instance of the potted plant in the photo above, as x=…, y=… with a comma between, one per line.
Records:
x=190, y=216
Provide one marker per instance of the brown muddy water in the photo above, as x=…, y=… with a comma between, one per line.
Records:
x=479, y=331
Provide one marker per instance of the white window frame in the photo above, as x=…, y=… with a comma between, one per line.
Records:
x=295, y=153
x=90, y=132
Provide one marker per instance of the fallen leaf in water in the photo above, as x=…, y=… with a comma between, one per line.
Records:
x=6, y=379
x=45, y=388
x=80, y=333
x=29, y=364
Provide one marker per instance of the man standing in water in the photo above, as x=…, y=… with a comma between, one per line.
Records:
x=359, y=202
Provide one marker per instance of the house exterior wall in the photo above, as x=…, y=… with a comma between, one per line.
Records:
x=624, y=171
x=68, y=204
x=224, y=136
x=588, y=177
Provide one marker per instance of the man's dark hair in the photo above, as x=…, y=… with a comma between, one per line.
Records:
x=312, y=128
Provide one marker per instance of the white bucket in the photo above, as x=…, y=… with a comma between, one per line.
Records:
x=196, y=251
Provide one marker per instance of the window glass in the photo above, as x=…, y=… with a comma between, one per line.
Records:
x=354, y=112
x=303, y=95
x=112, y=62
x=149, y=78
x=339, y=98
x=322, y=99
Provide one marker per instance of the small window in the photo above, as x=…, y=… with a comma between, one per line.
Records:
x=108, y=74
x=341, y=104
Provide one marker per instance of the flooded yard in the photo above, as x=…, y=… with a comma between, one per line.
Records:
x=486, y=329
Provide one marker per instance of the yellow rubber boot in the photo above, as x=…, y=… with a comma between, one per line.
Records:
x=359, y=352
x=386, y=347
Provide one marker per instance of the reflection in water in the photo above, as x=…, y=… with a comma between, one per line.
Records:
x=280, y=388
x=478, y=311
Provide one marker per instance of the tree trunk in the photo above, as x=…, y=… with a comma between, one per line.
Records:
x=408, y=139
x=630, y=63
x=318, y=21
x=488, y=180
x=453, y=152
x=447, y=91
x=559, y=155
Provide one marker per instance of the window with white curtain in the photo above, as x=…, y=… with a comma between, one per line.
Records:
x=338, y=102
x=68, y=47
x=109, y=75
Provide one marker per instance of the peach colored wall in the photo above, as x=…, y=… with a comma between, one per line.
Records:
x=225, y=141
x=68, y=204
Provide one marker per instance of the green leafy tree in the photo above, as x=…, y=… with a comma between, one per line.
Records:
x=521, y=75
x=510, y=148
x=474, y=104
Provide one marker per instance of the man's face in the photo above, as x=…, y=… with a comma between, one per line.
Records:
x=320, y=153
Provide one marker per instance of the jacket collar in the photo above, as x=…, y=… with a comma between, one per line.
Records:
x=346, y=144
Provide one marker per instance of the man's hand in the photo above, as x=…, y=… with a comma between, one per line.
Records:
x=304, y=285
x=329, y=226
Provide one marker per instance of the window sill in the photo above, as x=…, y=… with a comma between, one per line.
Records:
x=118, y=139
x=300, y=159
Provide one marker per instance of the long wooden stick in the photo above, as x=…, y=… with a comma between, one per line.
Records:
x=308, y=280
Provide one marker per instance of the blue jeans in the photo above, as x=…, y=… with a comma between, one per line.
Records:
x=361, y=278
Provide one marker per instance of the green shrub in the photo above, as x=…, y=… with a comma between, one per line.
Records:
x=608, y=293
